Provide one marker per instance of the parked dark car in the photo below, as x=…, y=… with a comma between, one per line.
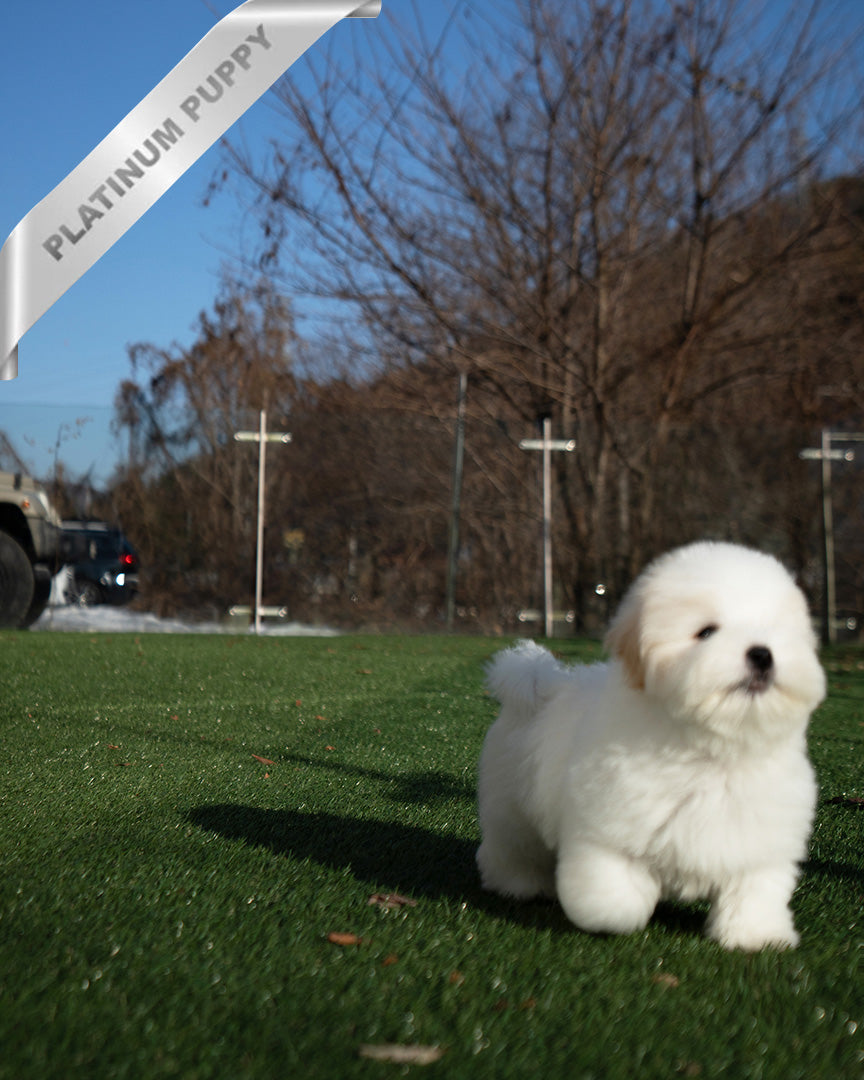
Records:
x=103, y=564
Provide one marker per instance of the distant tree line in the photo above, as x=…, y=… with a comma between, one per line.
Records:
x=645, y=222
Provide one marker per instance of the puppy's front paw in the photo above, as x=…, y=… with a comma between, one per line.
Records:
x=753, y=915
x=753, y=938
x=604, y=892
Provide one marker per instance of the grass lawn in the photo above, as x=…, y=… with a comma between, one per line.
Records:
x=185, y=820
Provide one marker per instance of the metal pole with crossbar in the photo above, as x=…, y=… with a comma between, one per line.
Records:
x=826, y=454
x=547, y=444
x=262, y=437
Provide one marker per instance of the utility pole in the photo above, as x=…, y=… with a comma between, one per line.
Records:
x=262, y=437
x=547, y=444
x=826, y=454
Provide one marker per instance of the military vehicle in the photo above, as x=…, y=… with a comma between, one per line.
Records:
x=31, y=549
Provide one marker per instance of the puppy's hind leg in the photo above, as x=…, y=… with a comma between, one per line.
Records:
x=515, y=863
x=604, y=892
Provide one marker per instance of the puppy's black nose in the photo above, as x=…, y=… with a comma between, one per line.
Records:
x=760, y=659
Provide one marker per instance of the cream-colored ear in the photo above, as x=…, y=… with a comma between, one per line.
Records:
x=623, y=640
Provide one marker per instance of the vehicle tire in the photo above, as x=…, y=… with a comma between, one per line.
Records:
x=84, y=593
x=41, y=593
x=16, y=581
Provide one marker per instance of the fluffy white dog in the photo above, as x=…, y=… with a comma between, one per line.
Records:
x=679, y=769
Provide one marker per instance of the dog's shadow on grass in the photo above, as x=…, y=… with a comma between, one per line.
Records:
x=392, y=857
x=387, y=855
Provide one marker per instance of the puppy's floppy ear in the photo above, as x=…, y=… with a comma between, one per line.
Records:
x=623, y=640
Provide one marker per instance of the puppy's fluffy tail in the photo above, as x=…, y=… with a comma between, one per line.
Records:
x=523, y=677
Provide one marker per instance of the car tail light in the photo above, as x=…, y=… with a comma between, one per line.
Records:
x=128, y=560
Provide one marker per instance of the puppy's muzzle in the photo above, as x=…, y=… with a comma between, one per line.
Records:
x=760, y=663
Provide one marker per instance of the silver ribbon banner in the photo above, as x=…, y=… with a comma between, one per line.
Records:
x=192, y=107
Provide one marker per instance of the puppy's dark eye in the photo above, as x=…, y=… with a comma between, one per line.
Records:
x=707, y=631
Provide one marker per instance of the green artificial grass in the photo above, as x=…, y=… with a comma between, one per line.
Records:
x=167, y=896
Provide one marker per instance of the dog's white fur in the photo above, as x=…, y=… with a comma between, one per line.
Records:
x=679, y=769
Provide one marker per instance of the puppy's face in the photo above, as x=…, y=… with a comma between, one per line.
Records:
x=721, y=636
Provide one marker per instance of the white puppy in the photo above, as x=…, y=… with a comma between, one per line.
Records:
x=679, y=769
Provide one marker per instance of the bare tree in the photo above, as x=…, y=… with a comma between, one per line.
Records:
x=584, y=215
x=188, y=487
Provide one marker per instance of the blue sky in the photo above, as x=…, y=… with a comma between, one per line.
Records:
x=70, y=73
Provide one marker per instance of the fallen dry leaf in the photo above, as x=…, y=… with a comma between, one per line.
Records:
x=397, y=1054
x=263, y=760
x=390, y=960
x=344, y=939
x=665, y=978
x=390, y=900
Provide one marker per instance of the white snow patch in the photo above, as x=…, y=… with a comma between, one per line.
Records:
x=106, y=618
